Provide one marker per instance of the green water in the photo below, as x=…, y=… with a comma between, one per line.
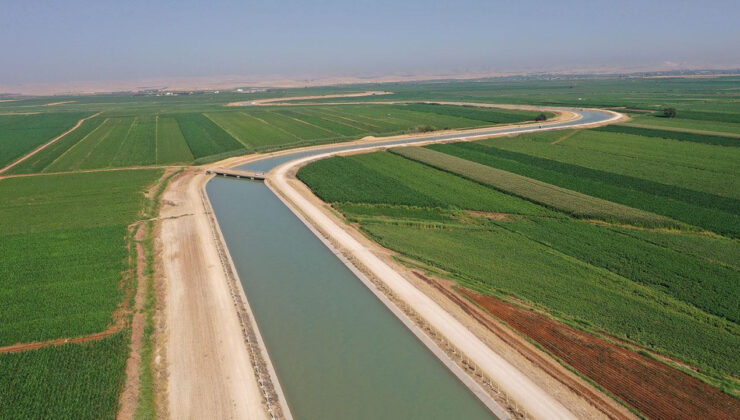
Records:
x=338, y=351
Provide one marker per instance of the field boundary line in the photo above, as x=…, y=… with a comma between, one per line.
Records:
x=76, y=144
x=327, y=119
x=34, y=345
x=237, y=138
x=49, y=143
x=273, y=126
x=307, y=123
x=87, y=171
x=565, y=137
x=156, y=139
x=342, y=116
x=125, y=140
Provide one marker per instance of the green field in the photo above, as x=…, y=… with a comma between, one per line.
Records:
x=680, y=123
x=672, y=291
x=121, y=139
x=20, y=134
x=708, y=211
x=72, y=381
x=673, y=135
x=62, y=275
x=568, y=201
x=630, y=230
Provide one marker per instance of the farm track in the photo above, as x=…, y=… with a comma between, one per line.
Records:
x=83, y=171
x=47, y=144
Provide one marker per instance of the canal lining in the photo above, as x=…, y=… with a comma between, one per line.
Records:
x=375, y=287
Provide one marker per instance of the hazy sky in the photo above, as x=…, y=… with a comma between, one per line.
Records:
x=74, y=40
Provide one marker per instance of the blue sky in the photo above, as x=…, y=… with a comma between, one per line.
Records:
x=73, y=40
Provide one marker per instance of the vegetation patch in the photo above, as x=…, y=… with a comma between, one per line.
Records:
x=204, y=137
x=709, y=211
x=20, y=134
x=71, y=381
x=568, y=201
x=61, y=276
x=673, y=135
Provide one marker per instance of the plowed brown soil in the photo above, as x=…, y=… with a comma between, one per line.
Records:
x=651, y=387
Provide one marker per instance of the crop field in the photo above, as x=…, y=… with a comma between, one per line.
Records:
x=117, y=142
x=625, y=234
x=72, y=381
x=171, y=144
x=673, y=291
x=41, y=160
x=709, y=211
x=568, y=201
x=381, y=182
x=19, y=134
x=724, y=125
x=61, y=275
x=260, y=129
x=203, y=137
x=693, y=166
x=673, y=135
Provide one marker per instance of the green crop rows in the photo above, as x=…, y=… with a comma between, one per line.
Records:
x=73, y=381
x=19, y=134
x=61, y=274
x=568, y=201
x=709, y=211
x=672, y=134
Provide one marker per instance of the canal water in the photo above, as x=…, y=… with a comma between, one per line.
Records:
x=338, y=351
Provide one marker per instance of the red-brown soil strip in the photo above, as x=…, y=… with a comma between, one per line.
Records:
x=651, y=387
x=607, y=406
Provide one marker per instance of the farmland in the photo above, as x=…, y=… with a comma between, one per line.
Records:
x=48, y=262
x=691, y=206
x=625, y=234
x=72, y=381
x=554, y=246
x=19, y=134
x=567, y=201
x=67, y=276
x=119, y=139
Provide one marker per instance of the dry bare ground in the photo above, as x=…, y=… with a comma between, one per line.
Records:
x=209, y=369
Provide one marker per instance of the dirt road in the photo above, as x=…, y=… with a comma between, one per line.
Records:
x=302, y=98
x=209, y=371
x=48, y=143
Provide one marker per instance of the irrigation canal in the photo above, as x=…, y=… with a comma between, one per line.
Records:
x=338, y=351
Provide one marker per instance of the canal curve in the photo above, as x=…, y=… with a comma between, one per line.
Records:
x=338, y=351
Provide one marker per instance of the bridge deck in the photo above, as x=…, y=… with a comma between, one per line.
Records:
x=236, y=173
